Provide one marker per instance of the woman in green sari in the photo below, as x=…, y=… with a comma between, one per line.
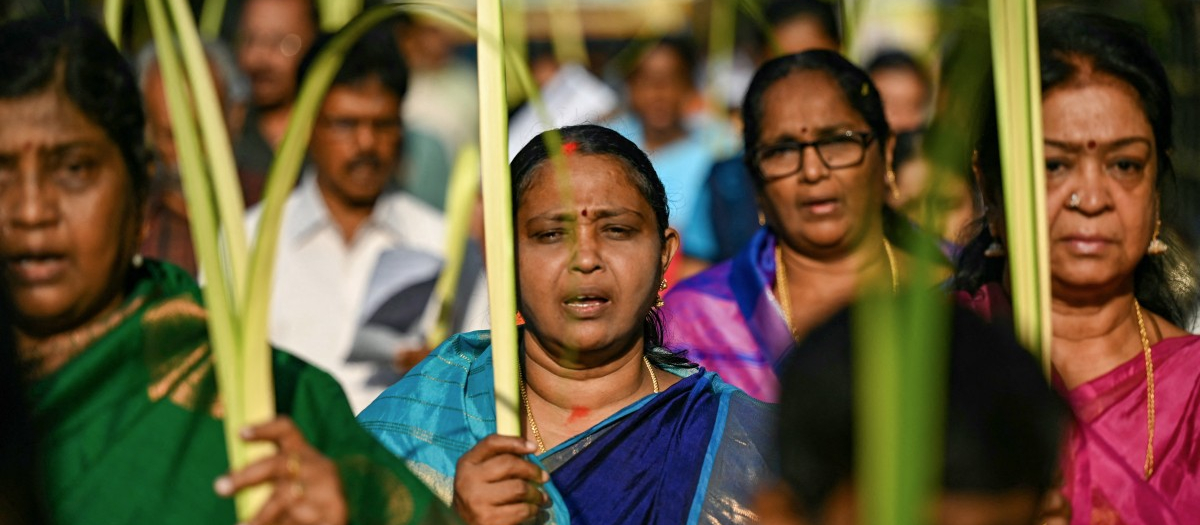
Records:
x=114, y=351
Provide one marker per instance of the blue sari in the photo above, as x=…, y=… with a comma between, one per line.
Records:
x=694, y=453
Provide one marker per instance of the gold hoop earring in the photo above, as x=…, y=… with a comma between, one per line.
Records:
x=1157, y=246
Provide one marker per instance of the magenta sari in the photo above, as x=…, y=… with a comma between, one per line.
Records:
x=1106, y=450
x=1106, y=447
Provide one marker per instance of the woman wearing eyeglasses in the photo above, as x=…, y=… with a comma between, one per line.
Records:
x=818, y=147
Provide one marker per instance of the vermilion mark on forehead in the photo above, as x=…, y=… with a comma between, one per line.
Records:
x=804, y=129
x=1091, y=144
x=583, y=212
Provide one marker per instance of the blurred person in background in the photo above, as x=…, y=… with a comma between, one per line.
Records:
x=818, y=146
x=661, y=86
x=943, y=206
x=442, y=98
x=998, y=448
x=905, y=87
x=728, y=213
x=272, y=37
x=571, y=93
x=358, y=259
x=167, y=235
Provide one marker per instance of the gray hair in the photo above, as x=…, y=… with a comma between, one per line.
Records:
x=229, y=78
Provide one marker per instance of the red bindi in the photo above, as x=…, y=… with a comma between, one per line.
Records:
x=1091, y=144
x=578, y=413
x=583, y=212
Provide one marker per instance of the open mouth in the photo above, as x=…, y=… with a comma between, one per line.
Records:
x=820, y=206
x=36, y=268
x=586, y=304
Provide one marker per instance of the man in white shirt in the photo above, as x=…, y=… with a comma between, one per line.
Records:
x=349, y=240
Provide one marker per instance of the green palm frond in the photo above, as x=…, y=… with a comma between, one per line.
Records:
x=1019, y=117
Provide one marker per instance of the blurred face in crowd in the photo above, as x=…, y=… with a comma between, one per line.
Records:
x=799, y=34
x=818, y=211
x=659, y=89
x=944, y=208
x=158, y=118
x=1101, y=148
x=588, y=269
x=68, y=221
x=905, y=98
x=355, y=141
x=273, y=37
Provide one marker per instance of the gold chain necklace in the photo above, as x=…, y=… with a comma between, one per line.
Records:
x=537, y=434
x=784, y=294
x=1148, y=468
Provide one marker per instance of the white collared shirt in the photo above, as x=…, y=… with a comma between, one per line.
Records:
x=320, y=280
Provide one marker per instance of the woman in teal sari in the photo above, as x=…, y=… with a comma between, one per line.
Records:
x=114, y=351
x=620, y=429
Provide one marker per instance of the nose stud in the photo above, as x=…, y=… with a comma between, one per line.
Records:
x=1073, y=202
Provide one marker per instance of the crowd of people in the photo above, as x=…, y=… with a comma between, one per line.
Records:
x=686, y=285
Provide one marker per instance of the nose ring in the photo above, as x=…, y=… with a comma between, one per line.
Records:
x=1073, y=202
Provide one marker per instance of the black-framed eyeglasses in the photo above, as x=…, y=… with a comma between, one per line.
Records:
x=842, y=150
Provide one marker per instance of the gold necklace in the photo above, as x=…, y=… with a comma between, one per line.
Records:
x=784, y=294
x=1148, y=468
x=537, y=434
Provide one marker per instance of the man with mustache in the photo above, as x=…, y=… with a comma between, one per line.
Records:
x=357, y=257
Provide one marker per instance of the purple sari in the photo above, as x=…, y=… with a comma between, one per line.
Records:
x=1103, y=468
x=729, y=322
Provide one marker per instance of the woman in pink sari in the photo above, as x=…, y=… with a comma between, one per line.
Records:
x=1121, y=285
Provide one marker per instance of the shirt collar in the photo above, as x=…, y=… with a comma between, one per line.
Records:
x=311, y=215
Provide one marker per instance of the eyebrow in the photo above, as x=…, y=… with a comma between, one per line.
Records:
x=1074, y=147
x=822, y=131
x=603, y=213
x=54, y=150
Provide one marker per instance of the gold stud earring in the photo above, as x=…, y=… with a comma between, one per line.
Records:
x=890, y=179
x=1157, y=246
x=995, y=250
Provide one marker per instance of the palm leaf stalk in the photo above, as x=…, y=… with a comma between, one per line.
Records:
x=515, y=65
x=497, y=213
x=899, y=381
x=217, y=148
x=566, y=30
x=460, y=203
x=516, y=38
x=211, y=16
x=245, y=399
x=722, y=27
x=113, y=9
x=852, y=15
x=1019, y=118
x=337, y=13
x=286, y=168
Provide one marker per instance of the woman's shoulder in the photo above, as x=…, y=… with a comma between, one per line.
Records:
x=440, y=383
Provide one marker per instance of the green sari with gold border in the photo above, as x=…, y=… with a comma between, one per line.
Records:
x=130, y=427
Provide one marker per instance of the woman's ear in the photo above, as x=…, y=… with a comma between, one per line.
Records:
x=669, y=248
